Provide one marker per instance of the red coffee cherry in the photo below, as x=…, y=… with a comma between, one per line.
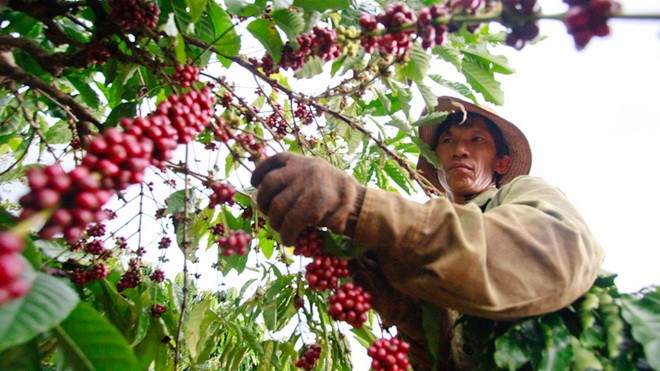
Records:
x=10, y=243
x=157, y=276
x=236, y=242
x=324, y=272
x=185, y=75
x=157, y=310
x=309, y=243
x=309, y=356
x=389, y=355
x=223, y=193
x=350, y=303
x=132, y=14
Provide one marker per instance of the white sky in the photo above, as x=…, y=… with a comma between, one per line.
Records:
x=593, y=121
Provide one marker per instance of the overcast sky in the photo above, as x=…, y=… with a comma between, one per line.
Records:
x=593, y=120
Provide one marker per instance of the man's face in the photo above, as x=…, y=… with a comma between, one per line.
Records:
x=468, y=159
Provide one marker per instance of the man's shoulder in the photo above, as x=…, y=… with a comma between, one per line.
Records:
x=525, y=181
x=525, y=186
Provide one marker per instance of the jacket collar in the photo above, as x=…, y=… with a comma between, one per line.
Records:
x=484, y=198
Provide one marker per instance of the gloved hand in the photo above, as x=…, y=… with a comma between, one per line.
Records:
x=405, y=312
x=296, y=191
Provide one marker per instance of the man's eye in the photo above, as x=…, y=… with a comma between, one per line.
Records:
x=445, y=140
x=477, y=139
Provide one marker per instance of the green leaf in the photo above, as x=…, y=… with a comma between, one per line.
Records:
x=509, y=354
x=58, y=133
x=321, y=6
x=557, y=353
x=313, y=67
x=243, y=8
x=118, y=309
x=90, y=342
x=483, y=82
x=49, y=301
x=180, y=48
x=434, y=117
x=88, y=94
x=123, y=110
x=282, y=4
x=397, y=176
x=583, y=359
x=458, y=87
x=175, y=203
x=196, y=7
x=642, y=312
x=494, y=63
x=399, y=124
x=266, y=33
x=403, y=97
x=449, y=54
x=227, y=43
x=198, y=327
x=426, y=151
x=24, y=358
x=418, y=66
x=430, y=99
x=519, y=345
x=147, y=349
x=384, y=101
x=431, y=323
x=292, y=23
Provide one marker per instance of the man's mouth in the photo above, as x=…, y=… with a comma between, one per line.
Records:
x=459, y=166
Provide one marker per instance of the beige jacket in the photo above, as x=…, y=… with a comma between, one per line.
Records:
x=512, y=252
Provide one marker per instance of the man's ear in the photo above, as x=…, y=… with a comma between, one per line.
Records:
x=503, y=164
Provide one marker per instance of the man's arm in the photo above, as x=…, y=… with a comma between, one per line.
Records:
x=529, y=254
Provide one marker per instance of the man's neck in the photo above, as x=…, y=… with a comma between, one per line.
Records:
x=465, y=198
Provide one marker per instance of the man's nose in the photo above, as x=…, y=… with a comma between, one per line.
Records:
x=460, y=149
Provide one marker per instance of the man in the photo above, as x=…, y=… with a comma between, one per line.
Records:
x=501, y=245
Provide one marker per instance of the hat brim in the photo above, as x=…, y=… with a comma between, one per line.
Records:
x=519, y=149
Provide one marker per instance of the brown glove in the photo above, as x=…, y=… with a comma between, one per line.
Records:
x=405, y=312
x=297, y=191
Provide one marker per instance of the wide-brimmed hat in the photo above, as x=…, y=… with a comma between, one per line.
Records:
x=459, y=110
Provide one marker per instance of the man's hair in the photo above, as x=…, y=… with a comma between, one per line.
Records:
x=501, y=146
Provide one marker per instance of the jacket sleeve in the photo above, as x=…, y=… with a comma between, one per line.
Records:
x=529, y=254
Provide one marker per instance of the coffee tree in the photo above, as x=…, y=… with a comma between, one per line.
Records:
x=129, y=128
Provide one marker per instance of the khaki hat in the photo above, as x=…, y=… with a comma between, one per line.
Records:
x=519, y=150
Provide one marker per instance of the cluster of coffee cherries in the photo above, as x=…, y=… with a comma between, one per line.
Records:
x=324, y=272
x=517, y=15
x=185, y=75
x=348, y=302
x=309, y=243
x=309, y=356
x=74, y=200
x=157, y=310
x=321, y=42
x=389, y=355
x=398, y=21
x=82, y=276
x=132, y=14
x=429, y=29
x=235, y=243
x=97, y=53
x=114, y=160
x=120, y=158
x=132, y=277
x=222, y=194
x=189, y=113
x=588, y=18
x=12, y=265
